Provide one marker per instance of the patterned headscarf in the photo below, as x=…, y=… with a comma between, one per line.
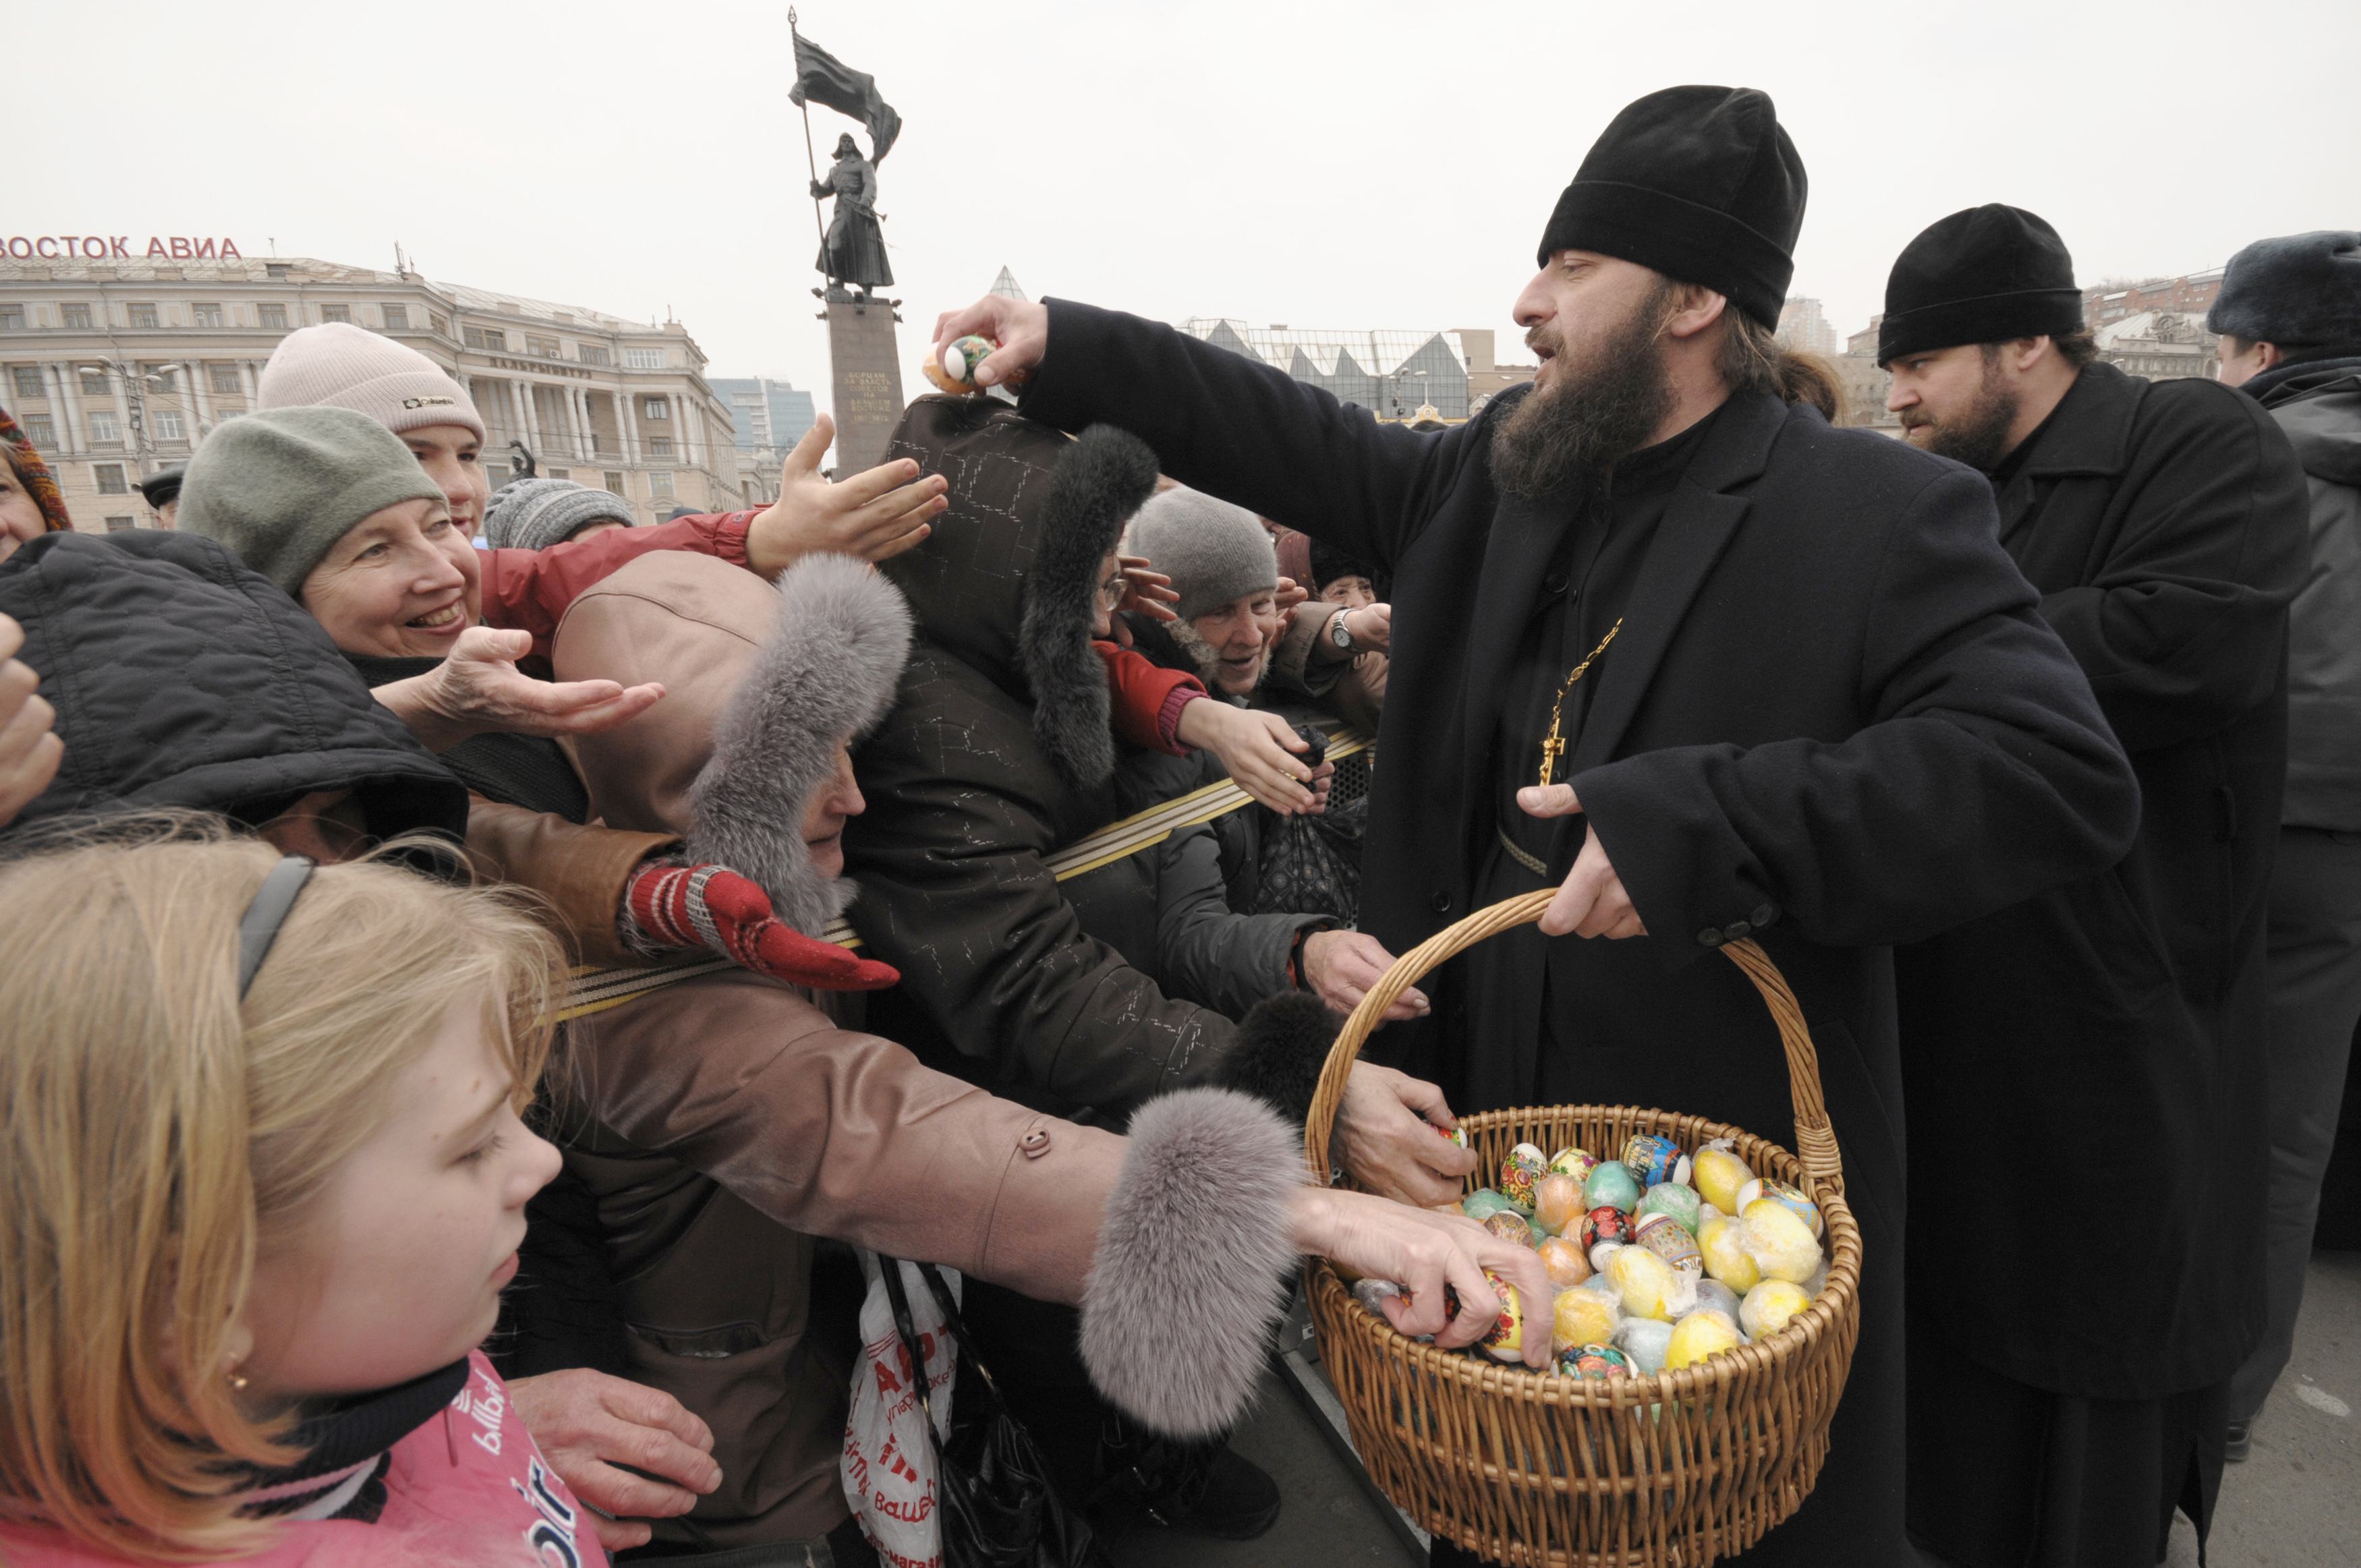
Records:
x=33, y=474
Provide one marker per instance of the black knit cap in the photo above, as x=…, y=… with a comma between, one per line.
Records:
x=1985, y=275
x=1699, y=183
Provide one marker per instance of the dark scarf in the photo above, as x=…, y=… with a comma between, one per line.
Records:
x=2325, y=364
x=352, y=1436
x=515, y=770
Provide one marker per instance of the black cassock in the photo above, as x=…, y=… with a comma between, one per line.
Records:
x=1833, y=721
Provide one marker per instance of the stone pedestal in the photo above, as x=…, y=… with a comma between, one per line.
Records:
x=868, y=382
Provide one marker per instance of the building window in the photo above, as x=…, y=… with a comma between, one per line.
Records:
x=120, y=525
x=167, y=425
x=224, y=379
x=485, y=338
x=495, y=474
x=93, y=383
x=541, y=347
x=614, y=483
x=203, y=315
x=104, y=428
x=28, y=381
x=654, y=408
x=12, y=318
x=77, y=317
x=276, y=271
x=143, y=316
x=660, y=484
x=561, y=473
x=644, y=358
x=335, y=312
x=162, y=380
x=593, y=354
x=108, y=477
x=397, y=317
x=40, y=430
x=440, y=327
x=659, y=445
x=270, y=315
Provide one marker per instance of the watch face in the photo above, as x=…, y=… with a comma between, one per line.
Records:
x=1339, y=633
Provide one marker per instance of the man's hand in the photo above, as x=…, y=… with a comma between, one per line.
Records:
x=1342, y=965
x=1592, y=903
x=589, y=1423
x=1388, y=1137
x=1372, y=626
x=479, y=690
x=1261, y=751
x=1146, y=590
x=30, y=751
x=874, y=515
x=1019, y=327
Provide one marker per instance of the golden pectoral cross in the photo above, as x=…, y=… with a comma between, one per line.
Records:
x=1554, y=743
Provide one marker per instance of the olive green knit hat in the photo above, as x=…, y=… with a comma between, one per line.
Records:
x=282, y=486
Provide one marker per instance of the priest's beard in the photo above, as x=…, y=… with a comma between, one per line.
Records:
x=1978, y=436
x=1564, y=439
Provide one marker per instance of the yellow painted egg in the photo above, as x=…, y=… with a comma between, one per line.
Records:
x=1781, y=1245
x=1788, y=1198
x=1725, y=1255
x=1580, y=1318
x=1768, y=1307
x=1506, y=1340
x=1699, y=1335
x=1719, y=1174
x=1574, y=1161
x=1646, y=1284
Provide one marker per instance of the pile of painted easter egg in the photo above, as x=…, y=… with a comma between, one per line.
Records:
x=1660, y=1259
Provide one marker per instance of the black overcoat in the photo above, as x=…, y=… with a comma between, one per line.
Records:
x=1834, y=720
x=2102, y=1043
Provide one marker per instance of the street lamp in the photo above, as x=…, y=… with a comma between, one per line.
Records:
x=135, y=392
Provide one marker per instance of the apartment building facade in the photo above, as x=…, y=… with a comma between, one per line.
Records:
x=119, y=367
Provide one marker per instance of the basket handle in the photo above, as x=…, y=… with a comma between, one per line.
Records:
x=1816, y=1142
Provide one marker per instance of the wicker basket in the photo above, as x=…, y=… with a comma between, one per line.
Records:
x=1528, y=1468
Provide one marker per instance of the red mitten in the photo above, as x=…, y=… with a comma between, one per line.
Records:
x=669, y=904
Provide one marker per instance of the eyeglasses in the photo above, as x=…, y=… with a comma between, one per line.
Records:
x=1111, y=592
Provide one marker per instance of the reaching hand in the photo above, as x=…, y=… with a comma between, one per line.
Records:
x=30, y=751
x=873, y=516
x=1261, y=751
x=1422, y=1252
x=1593, y=902
x=1342, y=965
x=1019, y=327
x=590, y=1424
x=1146, y=590
x=479, y=690
x=668, y=903
x=1372, y=626
x=1388, y=1137
x=1291, y=593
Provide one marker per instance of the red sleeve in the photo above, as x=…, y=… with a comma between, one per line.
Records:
x=528, y=590
x=1141, y=691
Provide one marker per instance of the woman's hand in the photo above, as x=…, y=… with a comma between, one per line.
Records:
x=30, y=751
x=1422, y=1252
x=592, y=1426
x=479, y=690
x=1342, y=965
x=874, y=515
x=1261, y=752
x=1146, y=590
x=1389, y=1137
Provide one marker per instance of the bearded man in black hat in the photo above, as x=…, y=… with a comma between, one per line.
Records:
x=1818, y=705
x=2107, y=1035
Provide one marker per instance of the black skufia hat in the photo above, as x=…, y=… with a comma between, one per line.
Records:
x=1985, y=275
x=1699, y=183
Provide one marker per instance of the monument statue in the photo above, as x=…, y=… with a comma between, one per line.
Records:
x=522, y=463
x=853, y=251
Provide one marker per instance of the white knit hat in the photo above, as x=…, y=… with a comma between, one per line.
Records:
x=346, y=367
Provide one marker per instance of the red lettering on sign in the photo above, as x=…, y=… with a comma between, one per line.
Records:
x=120, y=246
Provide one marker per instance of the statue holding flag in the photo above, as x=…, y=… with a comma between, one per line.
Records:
x=852, y=248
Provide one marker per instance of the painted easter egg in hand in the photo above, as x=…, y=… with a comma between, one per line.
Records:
x=955, y=371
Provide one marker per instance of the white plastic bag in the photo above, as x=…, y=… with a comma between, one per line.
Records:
x=889, y=1464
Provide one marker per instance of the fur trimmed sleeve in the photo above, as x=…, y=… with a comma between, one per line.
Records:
x=1190, y=1274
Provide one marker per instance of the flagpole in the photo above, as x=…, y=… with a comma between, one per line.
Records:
x=811, y=160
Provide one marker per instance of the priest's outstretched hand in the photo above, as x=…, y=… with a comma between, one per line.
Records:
x=1020, y=326
x=1592, y=903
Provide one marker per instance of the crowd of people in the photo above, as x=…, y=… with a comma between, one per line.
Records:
x=481, y=972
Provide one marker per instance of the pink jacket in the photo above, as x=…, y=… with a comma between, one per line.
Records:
x=469, y=1489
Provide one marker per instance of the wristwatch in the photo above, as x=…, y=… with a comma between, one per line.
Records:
x=1339, y=633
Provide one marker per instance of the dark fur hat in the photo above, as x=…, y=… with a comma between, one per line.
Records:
x=825, y=677
x=2300, y=290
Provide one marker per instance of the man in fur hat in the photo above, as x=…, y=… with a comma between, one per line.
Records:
x=2163, y=524
x=1667, y=642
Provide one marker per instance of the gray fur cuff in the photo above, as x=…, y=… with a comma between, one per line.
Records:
x=1194, y=1260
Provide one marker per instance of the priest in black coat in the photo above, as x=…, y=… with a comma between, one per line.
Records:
x=2101, y=1044
x=1828, y=717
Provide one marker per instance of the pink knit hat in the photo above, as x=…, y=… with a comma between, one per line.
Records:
x=346, y=367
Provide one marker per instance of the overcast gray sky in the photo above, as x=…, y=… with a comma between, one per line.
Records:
x=1325, y=165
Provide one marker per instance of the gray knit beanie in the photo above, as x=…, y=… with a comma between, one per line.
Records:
x=2300, y=290
x=534, y=514
x=279, y=487
x=1212, y=551
x=353, y=368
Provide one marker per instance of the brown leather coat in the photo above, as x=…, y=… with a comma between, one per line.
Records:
x=580, y=871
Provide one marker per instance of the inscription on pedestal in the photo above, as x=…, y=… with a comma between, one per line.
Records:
x=868, y=383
